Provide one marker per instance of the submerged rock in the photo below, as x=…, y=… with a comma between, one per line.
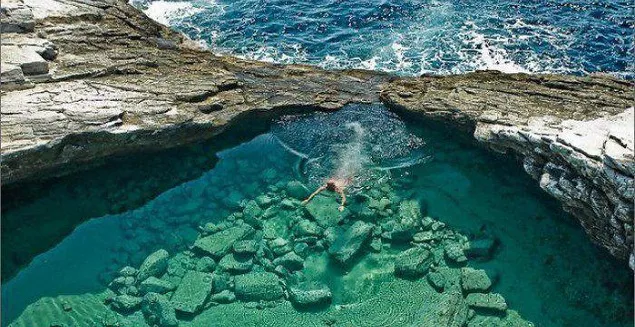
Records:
x=258, y=286
x=310, y=293
x=155, y=285
x=324, y=210
x=221, y=281
x=158, y=311
x=154, y=265
x=276, y=227
x=235, y=264
x=437, y=281
x=473, y=280
x=128, y=271
x=126, y=303
x=297, y=190
x=205, y=264
x=481, y=248
x=218, y=244
x=245, y=247
x=454, y=252
x=192, y=292
x=264, y=200
x=489, y=301
x=408, y=221
x=252, y=212
x=180, y=264
x=291, y=261
x=280, y=246
x=224, y=297
x=348, y=243
x=306, y=227
x=413, y=262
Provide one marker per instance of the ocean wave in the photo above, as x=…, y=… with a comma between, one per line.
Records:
x=412, y=37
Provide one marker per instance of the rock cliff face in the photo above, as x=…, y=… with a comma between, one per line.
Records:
x=575, y=137
x=88, y=79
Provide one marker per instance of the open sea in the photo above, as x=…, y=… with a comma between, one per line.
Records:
x=414, y=37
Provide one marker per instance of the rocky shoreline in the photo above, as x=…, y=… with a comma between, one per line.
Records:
x=136, y=85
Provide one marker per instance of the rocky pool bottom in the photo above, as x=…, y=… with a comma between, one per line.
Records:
x=463, y=239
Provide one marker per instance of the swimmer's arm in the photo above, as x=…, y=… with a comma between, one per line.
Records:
x=320, y=189
x=341, y=208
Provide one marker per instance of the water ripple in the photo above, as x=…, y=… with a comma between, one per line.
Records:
x=414, y=37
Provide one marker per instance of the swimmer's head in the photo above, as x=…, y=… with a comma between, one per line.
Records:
x=331, y=185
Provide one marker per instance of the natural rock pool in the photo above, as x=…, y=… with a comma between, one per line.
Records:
x=435, y=231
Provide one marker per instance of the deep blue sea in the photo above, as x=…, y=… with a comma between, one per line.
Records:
x=414, y=37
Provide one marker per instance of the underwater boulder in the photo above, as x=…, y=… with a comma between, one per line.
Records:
x=218, y=244
x=125, y=303
x=221, y=281
x=252, y=212
x=349, y=242
x=264, y=200
x=437, y=281
x=245, y=247
x=454, y=252
x=474, y=280
x=310, y=293
x=235, y=264
x=376, y=244
x=413, y=262
x=276, y=227
x=408, y=221
x=291, y=261
x=302, y=249
x=289, y=204
x=280, y=246
x=482, y=248
x=192, y=292
x=205, y=264
x=155, y=285
x=223, y=297
x=325, y=211
x=258, y=286
x=128, y=271
x=233, y=200
x=158, y=311
x=179, y=264
x=306, y=227
x=154, y=265
x=297, y=190
x=489, y=301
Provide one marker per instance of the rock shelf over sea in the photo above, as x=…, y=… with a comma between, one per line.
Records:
x=86, y=80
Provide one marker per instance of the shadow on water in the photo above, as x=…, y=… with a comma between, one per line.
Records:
x=36, y=215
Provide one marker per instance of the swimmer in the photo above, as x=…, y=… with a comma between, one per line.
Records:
x=333, y=185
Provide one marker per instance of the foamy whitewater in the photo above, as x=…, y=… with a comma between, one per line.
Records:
x=359, y=143
x=413, y=37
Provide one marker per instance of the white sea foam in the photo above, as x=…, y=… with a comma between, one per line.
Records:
x=434, y=40
x=166, y=12
x=489, y=56
x=172, y=12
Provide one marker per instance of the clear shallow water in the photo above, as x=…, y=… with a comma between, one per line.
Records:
x=544, y=266
x=414, y=37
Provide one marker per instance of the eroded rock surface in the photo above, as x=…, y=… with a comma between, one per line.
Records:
x=88, y=79
x=574, y=135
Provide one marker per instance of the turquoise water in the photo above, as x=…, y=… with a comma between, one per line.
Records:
x=416, y=36
x=542, y=264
